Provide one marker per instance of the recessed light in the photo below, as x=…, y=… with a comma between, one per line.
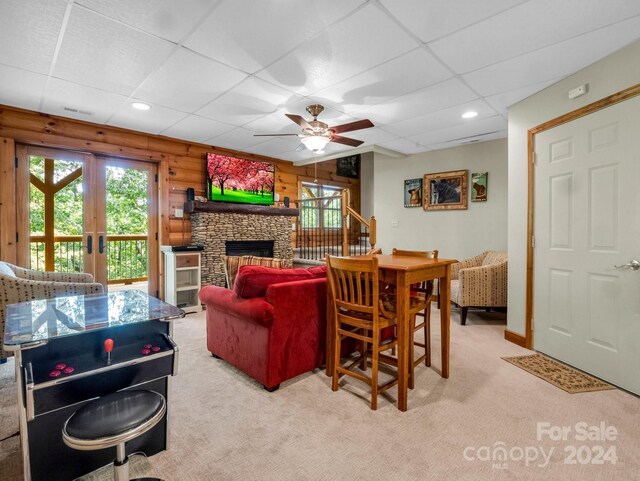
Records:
x=140, y=106
x=469, y=115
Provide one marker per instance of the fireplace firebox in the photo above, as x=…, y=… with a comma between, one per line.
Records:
x=260, y=248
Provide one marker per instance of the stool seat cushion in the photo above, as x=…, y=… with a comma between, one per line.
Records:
x=114, y=414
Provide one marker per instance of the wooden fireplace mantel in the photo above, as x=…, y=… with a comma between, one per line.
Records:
x=224, y=207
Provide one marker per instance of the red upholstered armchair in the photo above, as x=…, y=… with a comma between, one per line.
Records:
x=271, y=325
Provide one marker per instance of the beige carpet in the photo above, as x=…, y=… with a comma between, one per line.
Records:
x=560, y=375
x=227, y=428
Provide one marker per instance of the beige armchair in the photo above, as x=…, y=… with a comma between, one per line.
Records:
x=479, y=282
x=21, y=285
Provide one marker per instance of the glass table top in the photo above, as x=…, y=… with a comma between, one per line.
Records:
x=47, y=319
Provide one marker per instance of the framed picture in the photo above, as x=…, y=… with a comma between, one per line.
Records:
x=348, y=166
x=479, y=186
x=445, y=190
x=413, y=193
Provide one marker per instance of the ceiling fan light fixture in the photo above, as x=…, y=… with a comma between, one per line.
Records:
x=315, y=142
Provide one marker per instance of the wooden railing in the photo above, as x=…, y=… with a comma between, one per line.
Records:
x=126, y=256
x=328, y=225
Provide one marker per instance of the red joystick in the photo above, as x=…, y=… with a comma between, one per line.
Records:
x=108, y=346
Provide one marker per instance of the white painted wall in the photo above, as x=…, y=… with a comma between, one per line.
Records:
x=366, y=179
x=457, y=233
x=610, y=75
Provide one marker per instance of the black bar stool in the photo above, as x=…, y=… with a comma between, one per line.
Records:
x=113, y=420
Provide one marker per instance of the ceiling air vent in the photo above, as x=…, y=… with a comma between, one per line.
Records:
x=77, y=111
x=471, y=138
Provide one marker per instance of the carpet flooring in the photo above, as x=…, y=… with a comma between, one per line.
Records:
x=560, y=375
x=489, y=421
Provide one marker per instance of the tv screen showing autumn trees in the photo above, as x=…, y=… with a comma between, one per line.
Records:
x=230, y=179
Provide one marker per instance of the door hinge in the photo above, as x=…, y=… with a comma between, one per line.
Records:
x=533, y=241
x=17, y=237
x=156, y=236
x=16, y=160
x=158, y=294
x=156, y=177
x=535, y=158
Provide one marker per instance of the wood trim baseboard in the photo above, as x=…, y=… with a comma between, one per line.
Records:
x=515, y=338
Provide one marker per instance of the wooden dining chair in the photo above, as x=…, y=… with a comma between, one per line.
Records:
x=359, y=313
x=424, y=292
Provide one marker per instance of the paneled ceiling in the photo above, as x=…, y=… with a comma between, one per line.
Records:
x=218, y=72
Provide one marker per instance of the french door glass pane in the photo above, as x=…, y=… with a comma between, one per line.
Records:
x=56, y=214
x=127, y=224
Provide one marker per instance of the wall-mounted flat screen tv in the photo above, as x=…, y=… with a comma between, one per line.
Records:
x=230, y=179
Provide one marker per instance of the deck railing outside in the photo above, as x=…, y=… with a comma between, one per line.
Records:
x=126, y=256
x=329, y=226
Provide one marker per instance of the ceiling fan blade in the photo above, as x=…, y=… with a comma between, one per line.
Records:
x=299, y=120
x=274, y=135
x=357, y=125
x=346, y=141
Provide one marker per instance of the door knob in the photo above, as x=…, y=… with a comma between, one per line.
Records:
x=634, y=265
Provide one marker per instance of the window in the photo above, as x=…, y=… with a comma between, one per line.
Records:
x=325, y=213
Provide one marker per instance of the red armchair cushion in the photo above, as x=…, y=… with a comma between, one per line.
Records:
x=253, y=281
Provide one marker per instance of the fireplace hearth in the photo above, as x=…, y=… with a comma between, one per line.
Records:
x=219, y=231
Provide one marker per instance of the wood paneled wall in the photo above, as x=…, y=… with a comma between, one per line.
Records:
x=181, y=165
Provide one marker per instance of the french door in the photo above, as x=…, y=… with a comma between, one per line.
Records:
x=86, y=213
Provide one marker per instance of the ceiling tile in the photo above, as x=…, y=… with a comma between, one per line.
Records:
x=90, y=104
x=462, y=132
x=154, y=121
x=248, y=101
x=501, y=134
x=345, y=49
x=441, y=119
x=245, y=36
x=526, y=28
x=433, y=19
x=29, y=33
x=437, y=97
x=165, y=18
x=404, y=146
x=107, y=55
x=278, y=122
x=197, y=129
x=21, y=88
x=237, y=139
x=554, y=61
x=372, y=136
x=188, y=81
x=501, y=102
x=274, y=147
x=407, y=73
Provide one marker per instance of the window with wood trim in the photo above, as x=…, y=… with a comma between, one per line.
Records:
x=323, y=210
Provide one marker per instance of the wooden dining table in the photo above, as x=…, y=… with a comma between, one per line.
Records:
x=404, y=271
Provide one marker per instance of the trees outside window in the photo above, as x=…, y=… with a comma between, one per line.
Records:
x=321, y=214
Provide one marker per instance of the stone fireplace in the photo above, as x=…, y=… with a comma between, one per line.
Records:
x=213, y=224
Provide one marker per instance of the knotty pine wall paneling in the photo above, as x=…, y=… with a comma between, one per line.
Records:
x=181, y=165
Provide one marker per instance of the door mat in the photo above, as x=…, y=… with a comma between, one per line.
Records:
x=560, y=375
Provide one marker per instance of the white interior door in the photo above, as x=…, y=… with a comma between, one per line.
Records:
x=587, y=220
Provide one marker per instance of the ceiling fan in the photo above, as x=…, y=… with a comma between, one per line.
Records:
x=315, y=134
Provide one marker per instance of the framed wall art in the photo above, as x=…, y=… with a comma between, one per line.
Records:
x=413, y=193
x=479, y=186
x=348, y=166
x=445, y=190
